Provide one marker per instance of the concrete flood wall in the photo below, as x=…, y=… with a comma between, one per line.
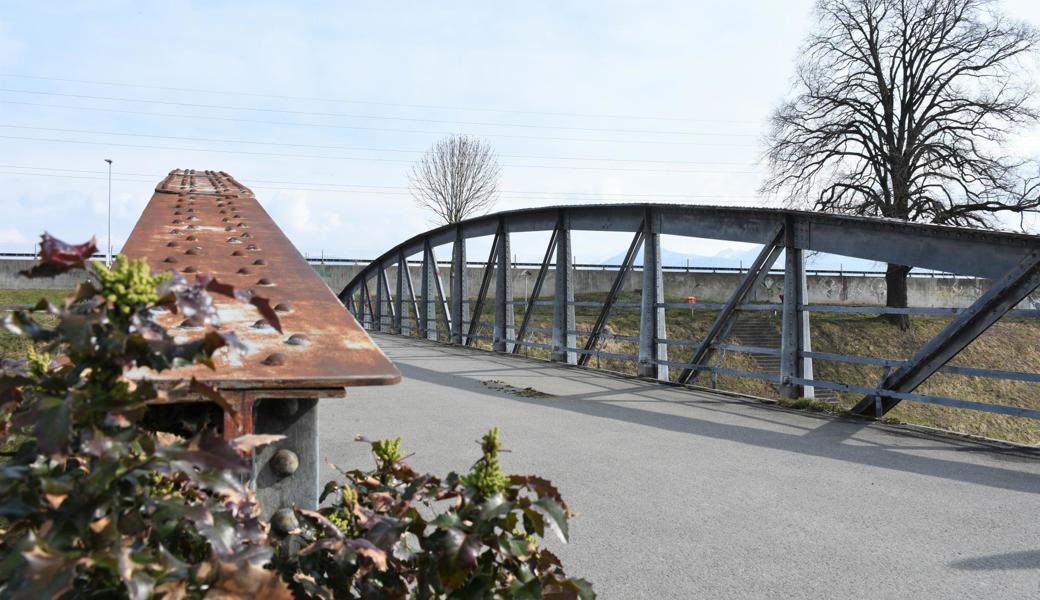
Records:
x=849, y=290
x=853, y=290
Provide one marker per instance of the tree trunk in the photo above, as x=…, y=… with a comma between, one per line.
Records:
x=895, y=282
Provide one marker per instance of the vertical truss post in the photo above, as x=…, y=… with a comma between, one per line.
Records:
x=398, y=311
x=459, y=289
x=428, y=286
x=503, y=329
x=537, y=289
x=651, y=313
x=387, y=324
x=969, y=324
x=563, y=299
x=608, y=303
x=794, y=325
x=765, y=259
x=413, y=303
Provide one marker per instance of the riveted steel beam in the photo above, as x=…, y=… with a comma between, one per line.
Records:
x=503, y=328
x=459, y=288
x=563, y=300
x=651, y=309
x=205, y=223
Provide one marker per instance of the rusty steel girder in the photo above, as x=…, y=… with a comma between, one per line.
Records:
x=205, y=222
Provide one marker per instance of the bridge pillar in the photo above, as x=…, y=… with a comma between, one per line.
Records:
x=399, y=319
x=428, y=286
x=459, y=287
x=504, y=314
x=651, y=314
x=794, y=335
x=380, y=299
x=563, y=299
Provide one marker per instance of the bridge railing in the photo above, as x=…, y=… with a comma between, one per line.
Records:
x=385, y=295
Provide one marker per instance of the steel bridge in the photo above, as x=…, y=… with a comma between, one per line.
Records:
x=385, y=297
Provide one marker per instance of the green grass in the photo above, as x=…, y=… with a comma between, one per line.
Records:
x=12, y=346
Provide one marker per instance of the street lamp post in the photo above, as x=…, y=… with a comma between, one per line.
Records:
x=108, y=258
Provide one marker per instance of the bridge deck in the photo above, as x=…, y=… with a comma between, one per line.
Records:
x=688, y=494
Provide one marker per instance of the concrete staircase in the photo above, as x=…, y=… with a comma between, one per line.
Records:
x=758, y=329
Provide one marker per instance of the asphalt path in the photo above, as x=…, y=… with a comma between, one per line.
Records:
x=689, y=494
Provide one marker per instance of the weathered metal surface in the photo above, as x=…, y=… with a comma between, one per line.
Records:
x=205, y=222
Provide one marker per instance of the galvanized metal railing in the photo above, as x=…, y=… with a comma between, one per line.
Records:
x=1011, y=261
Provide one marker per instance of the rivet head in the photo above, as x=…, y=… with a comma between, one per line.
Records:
x=192, y=251
x=283, y=307
x=261, y=324
x=172, y=244
x=170, y=259
x=237, y=253
x=234, y=240
x=252, y=247
x=191, y=238
x=260, y=262
x=245, y=271
x=189, y=269
x=275, y=359
x=265, y=281
x=284, y=462
x=284, y=520
x=298, y=339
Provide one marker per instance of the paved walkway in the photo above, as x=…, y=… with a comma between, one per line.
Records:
x=684, y=494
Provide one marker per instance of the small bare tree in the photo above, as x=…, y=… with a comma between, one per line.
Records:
x=456, y=178
x=901, y=110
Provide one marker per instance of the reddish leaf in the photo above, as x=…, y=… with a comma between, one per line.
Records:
x=57, y=257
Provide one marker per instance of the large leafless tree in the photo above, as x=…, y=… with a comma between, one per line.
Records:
x=456, y=178
x=901, y=109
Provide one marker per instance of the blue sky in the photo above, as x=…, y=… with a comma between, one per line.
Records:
x=320, y=108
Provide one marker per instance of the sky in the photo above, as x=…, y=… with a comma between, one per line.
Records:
x=322, y=107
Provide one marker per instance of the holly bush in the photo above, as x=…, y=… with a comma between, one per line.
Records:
x=92, y=504
x=391, y=532
x=95, y=503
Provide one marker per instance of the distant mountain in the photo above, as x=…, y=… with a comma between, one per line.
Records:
x=744, y=258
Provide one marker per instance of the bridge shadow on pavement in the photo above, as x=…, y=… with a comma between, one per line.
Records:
x=829, y=437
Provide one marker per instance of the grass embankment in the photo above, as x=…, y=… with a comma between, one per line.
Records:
x=1010, y=345
x=12, y=346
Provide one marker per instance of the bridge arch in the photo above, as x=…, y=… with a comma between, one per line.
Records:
x=1011, y=260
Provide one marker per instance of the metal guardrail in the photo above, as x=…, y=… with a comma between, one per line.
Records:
x=1010, y=261
x=206, y=222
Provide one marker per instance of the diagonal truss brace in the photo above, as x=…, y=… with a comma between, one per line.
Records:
x=1003, y=296
x=615, y=289
x=756, y=273
x=537, y=289
x=485, y=283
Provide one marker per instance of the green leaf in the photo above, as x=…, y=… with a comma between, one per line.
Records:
x=556, y=514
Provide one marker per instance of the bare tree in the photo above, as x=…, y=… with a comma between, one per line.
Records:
x=900, y=111
x=456, y=178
